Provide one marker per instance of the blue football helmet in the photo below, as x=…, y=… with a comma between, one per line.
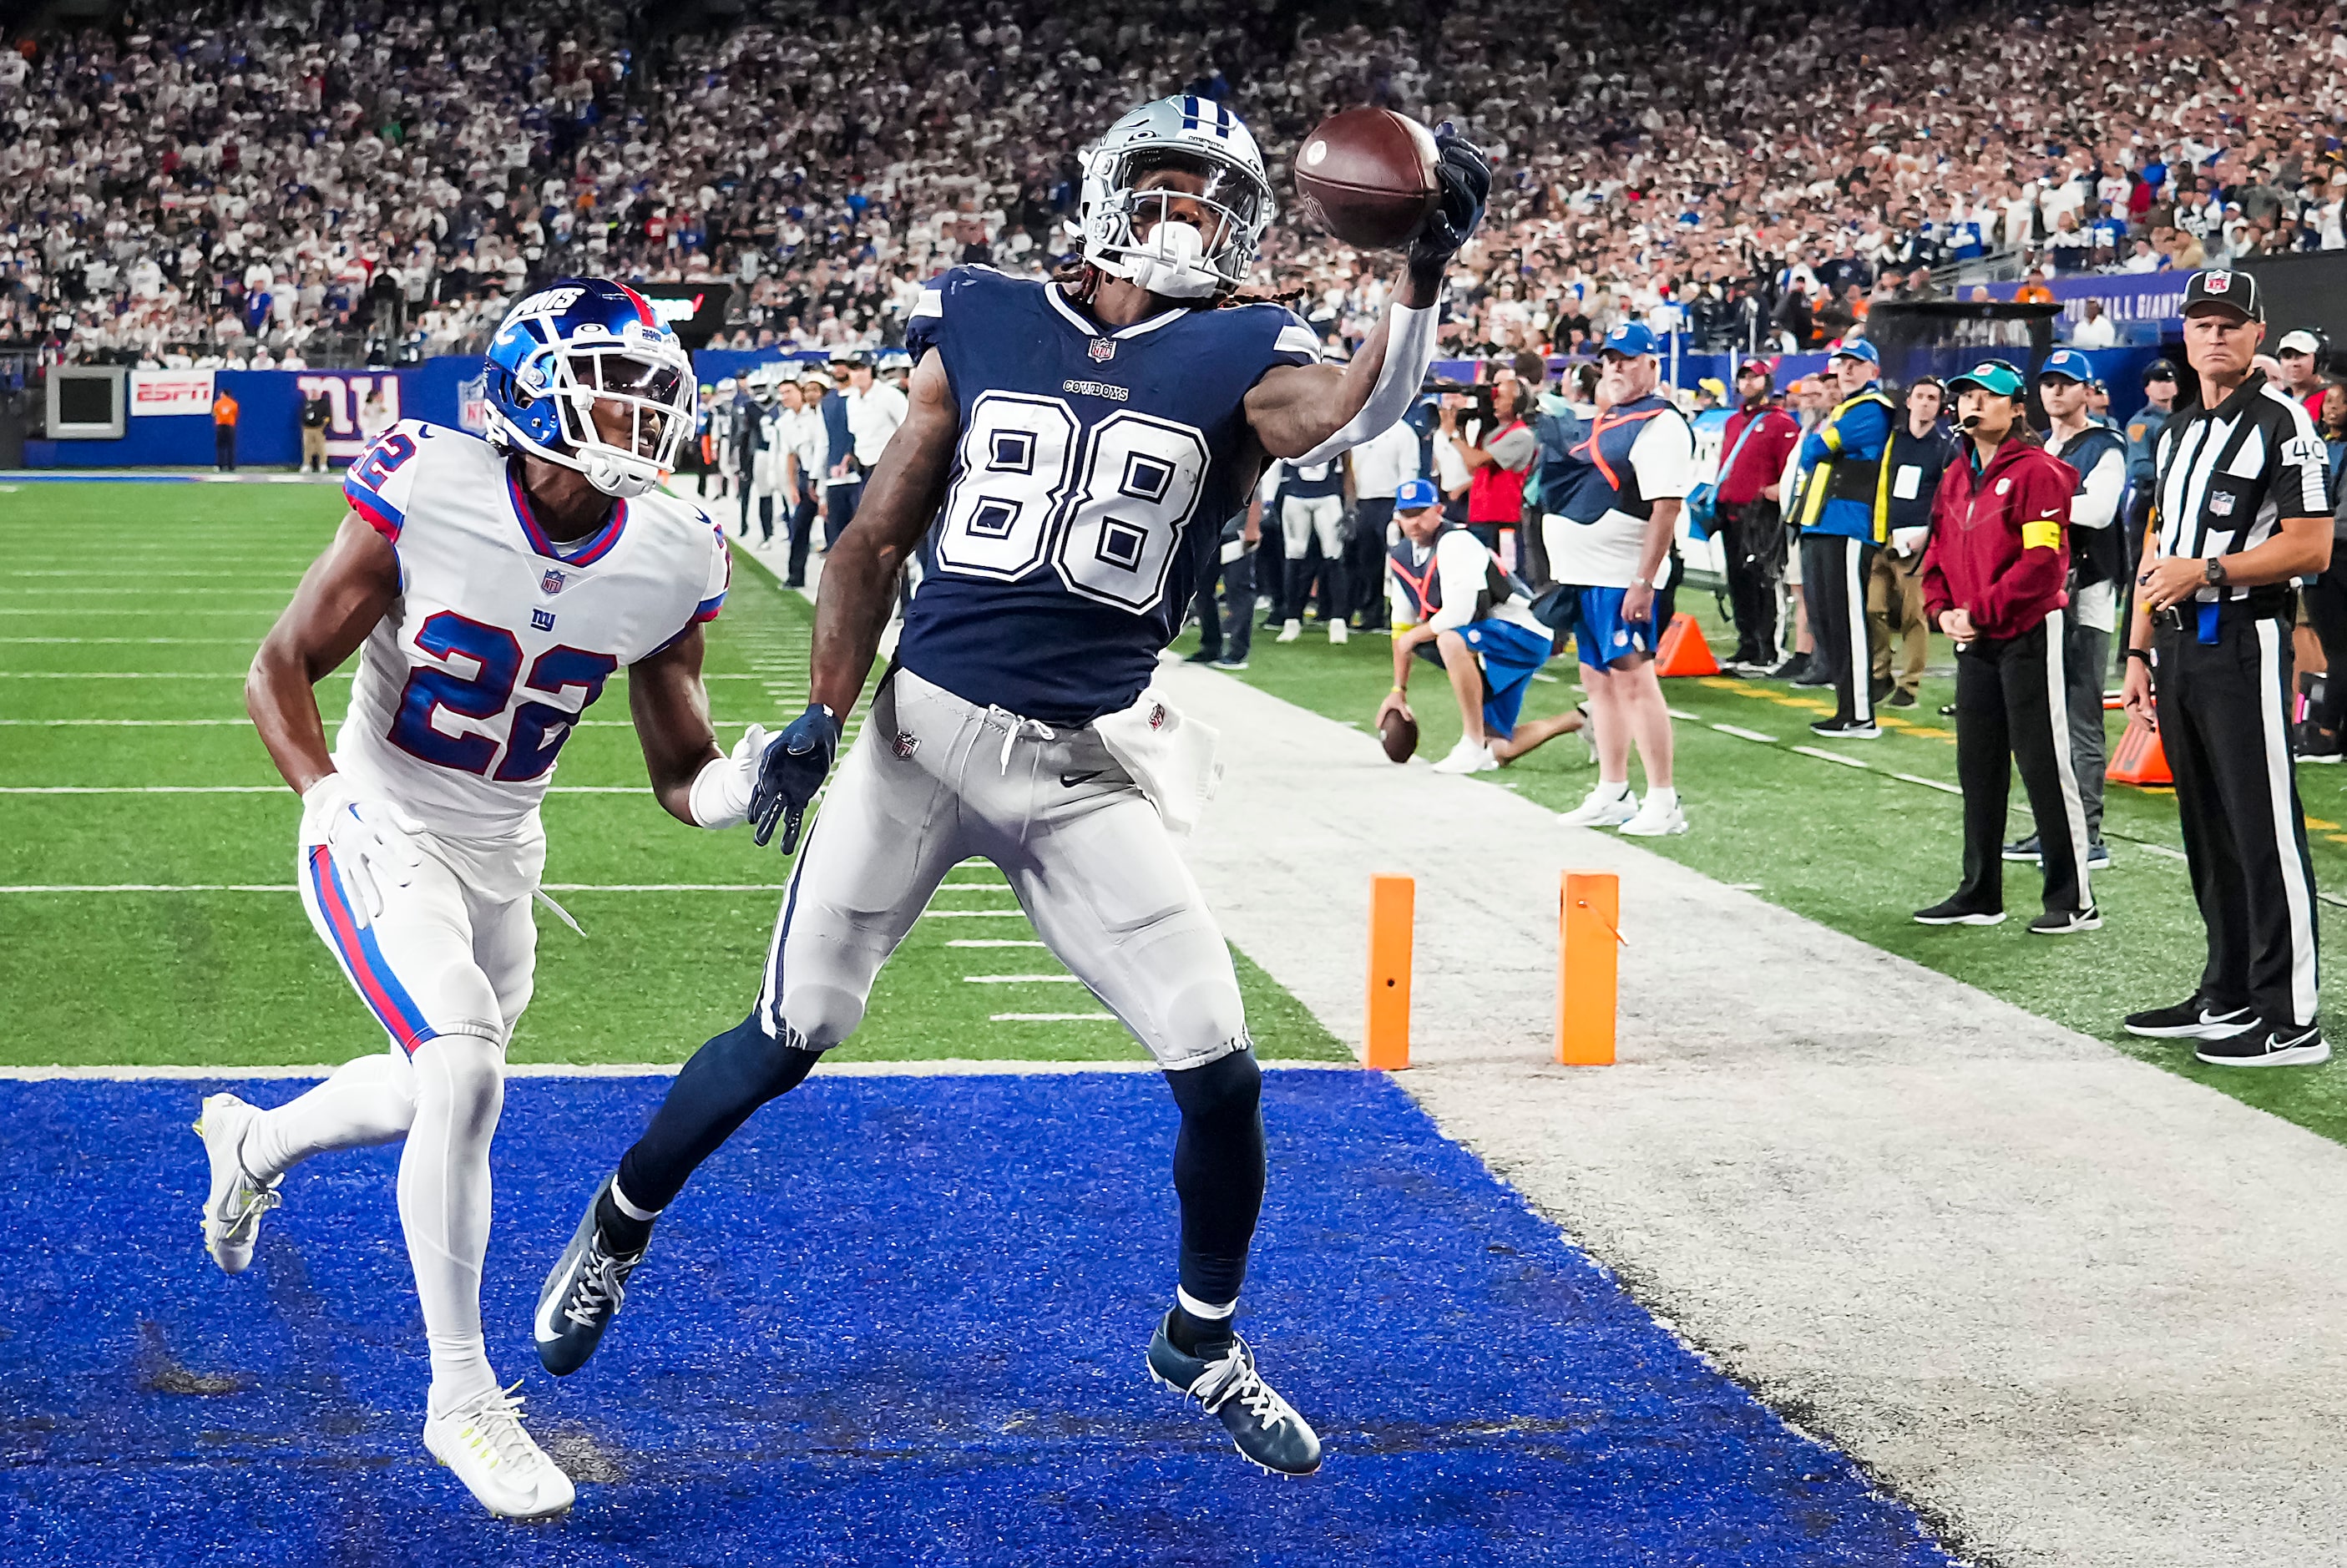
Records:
x=578, y=343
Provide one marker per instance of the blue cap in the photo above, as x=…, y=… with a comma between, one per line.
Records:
x=1632, y=338
x=1416, y=496
x=2069, y=365
x=1857, y=348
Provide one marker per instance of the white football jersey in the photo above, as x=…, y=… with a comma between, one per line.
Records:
x=468, y=686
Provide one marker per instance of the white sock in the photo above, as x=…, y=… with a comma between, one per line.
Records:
x=1662, y=798
x=368, y=1102
x=1613, y=789
x=444, y=1206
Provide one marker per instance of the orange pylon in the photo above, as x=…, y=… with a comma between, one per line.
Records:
x=1683, y=651
x=1386, y=1025
x=1588, y=930
x=2139, y=758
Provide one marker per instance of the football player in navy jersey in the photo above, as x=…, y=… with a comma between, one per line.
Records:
x=1071, y=449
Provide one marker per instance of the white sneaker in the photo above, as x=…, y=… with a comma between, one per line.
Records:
x=1338, y=631
x=499, y=1462
x=232, y=1211
x=1601, y=810
x=1466, y=757
x=1290, y=631
x=1654, y=823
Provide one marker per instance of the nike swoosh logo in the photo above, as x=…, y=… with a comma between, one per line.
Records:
x=547, y=1333
x=1071, y=780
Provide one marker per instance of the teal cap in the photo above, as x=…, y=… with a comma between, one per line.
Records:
x=1992, y=375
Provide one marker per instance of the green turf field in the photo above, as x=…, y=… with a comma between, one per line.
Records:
x=127, y=613
x=1859, y=849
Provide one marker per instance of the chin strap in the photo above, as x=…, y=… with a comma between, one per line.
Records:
x=1409, y=349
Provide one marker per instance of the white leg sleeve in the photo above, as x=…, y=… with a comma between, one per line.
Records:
x=1294, y=528
x=443, y=1206
x=368, y=1102
x=1409, y=349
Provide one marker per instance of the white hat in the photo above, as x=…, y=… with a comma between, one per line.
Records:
x=2300, y=341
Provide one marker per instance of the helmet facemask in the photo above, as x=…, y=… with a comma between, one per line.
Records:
x=1178, y=222
x=649, y=386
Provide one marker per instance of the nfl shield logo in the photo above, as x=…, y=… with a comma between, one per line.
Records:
x=2218, y=282
x=1103, y=350
x=551, y=582
x=906, y=744
x=2221, y=504
x=1157, y=716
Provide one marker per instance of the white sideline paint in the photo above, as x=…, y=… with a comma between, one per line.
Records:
x=1744, y=735
x=262, y=789
x=1826, y=757
x=1052, y=1018
x=1022, y=980
x=935, y=1067
x=2076, y=1306
x=290, y=887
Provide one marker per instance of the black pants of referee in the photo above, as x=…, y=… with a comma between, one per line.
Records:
x=1833, y=585
x=2223, y=722
x=2012, y=708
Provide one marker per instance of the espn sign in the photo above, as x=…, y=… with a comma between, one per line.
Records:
x=347, y=393
x=157, y=392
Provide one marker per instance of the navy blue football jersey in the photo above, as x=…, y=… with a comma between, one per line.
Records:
x=1087, y=489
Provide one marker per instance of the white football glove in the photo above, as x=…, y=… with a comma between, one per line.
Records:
x=369, y=840
x=720, y=790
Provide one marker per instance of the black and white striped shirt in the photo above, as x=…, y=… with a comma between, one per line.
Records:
x=2229, y=475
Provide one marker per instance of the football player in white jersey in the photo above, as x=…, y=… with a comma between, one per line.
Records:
x=490, y=588
x=1072, y=448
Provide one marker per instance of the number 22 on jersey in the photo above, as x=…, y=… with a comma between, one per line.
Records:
x=1106, y=507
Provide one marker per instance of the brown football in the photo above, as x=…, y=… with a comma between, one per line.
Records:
x=1367, y=176
x=1398, y=734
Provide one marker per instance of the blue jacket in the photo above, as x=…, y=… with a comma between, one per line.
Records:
x=1849, y=486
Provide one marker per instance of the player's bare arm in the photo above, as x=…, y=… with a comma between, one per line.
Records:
x=340, y=600
x=859, y=583
x=670, y=705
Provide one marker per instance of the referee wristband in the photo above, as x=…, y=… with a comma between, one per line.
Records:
x=2142, y=653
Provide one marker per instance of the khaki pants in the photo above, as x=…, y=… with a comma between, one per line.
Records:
x=1894, y=597
x=313, y=448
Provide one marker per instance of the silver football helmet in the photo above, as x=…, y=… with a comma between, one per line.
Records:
x=1130, y=227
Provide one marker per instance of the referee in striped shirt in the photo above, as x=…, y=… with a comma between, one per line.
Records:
x=2238, y=511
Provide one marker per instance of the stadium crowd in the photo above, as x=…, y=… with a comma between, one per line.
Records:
x=270, y=181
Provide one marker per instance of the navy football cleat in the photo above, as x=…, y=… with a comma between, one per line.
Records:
x=581, y=1296
x=1264, y=1427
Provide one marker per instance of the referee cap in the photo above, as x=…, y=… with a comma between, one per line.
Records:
x=1994, y=376
x=1416, y=496
x=2218, y=289
x=2067, y=364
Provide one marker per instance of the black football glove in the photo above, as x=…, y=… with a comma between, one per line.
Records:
x=792, y=770
x=1463, y=176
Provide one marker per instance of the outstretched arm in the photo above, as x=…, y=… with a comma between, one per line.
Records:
x=1313, y=412
x=344, y=593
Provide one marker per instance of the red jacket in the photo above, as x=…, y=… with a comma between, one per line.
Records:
x=2001, y=539
x=1762, y=462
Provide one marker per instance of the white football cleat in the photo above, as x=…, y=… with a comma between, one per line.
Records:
x=1656, y=821
x=1289, y=631
x=498, y=1463
x=1466, y=757
x=1338, y=632
x=1601, y=810
x=232, y=1211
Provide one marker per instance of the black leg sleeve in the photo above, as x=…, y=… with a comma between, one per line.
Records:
x=1984, y=769
x=726, y=1080
x=2037, y=722
x=1218, y=1172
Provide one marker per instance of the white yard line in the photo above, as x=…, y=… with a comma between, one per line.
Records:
x=993, y=942
x=256, y=789
x=943, y=1067
x=139, y=641
x=1826, y=757
x=66, y=888
x=1022, y=980
x=1052, y=1018
x=1941, y=787
x=1744, y=735
x=973, y=914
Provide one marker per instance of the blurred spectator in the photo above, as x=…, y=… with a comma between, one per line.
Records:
x=317, y=413
x=1756, y=444
x=2093, y=329
x=2299, y=354
x=224, y=414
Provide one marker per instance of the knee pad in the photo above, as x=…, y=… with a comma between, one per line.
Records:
x=1229, y=1086
x=818, y=1016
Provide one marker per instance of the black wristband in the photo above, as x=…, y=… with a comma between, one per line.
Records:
x=2142, y=653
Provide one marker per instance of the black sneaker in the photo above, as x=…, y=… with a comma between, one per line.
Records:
x=582, y=1294
x=2291, y=1045
x=1845, y=729
x=1878, y=688
x=1264, y=1427
x=1227, y=663
x=1202, y=657
x=1947, y=710
x=2313, y=743
x=2027, y=849
x=2195, y=1017
x=1955, y=912
x=1813, y=675
x=1903, y=698
x=1792, y=669
x=2062, y=923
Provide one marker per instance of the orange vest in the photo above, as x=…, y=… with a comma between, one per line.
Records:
x=224, y=410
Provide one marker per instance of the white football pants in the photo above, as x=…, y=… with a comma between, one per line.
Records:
x=1301, y=516
x=934, y=780
x=448, y=972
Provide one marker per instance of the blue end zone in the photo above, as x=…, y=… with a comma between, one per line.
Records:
x=897, y=1320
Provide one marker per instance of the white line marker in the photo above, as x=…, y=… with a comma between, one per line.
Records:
x=2170, y=854
x=939, y=1067
x=1943, y=788
x=288, y=887
x=1020, y=980
x=993, y=942
x=139, y=642
x=257, y=789
x=1830, y=756
x=1052, y=1018
x=1744, y=735
x=1682, y=713
x=973, y=914
x=1743, y=886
